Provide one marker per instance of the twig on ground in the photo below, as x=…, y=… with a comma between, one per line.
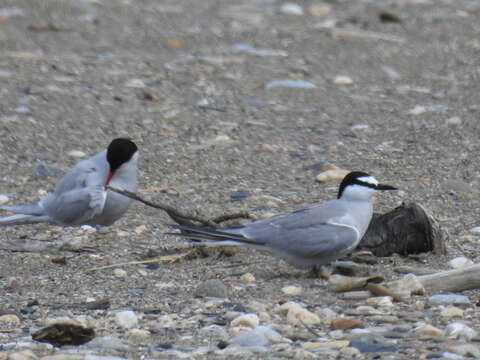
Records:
x=168, y=259
x=177, y=216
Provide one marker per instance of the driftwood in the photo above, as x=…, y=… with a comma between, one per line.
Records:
x=457, y=280
x=408, y=229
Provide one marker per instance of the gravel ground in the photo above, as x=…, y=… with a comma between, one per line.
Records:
x=389, y=87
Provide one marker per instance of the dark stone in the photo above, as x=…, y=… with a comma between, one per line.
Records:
x=239, y=195
x=373, y=347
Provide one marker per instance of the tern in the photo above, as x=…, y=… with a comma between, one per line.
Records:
x=81, y=197
x=317, y=235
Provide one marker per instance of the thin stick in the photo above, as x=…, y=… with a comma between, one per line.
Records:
x=167, y=258
x=178, y=217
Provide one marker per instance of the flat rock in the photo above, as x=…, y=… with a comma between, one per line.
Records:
x=211, y=288
x=347, y=323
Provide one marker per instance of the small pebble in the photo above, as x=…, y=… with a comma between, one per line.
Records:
x=391, y=72
x=330, y=175
x=319, y=10
x=292, y=290
x=380, y=301
x=451, y=312
x=22, y=109
x=211, y=288
x=248, y=320
x=454, y=120
x=137, y=336
x=257, y=337
x=475, y=230
x=342, y=80
x=297, y=314
x=448, y=299
x=460, y=262
x=247, y=278
x=258, y=52
x=321, y=345
x=135, y=83
x=291, y=9
x=427, y=330
x=326, y=316
x=107, y=342
x=10, y=320
x=4, y=199
x=347, y=323
x=298, y=84
x=459, y=330
x=120, y=273
x=76, y=154
x=23, y=355
x=469, y=350
x=126, y=319
x=239, y=195
x=373, y=346
x=11, y=11
x=6, y=74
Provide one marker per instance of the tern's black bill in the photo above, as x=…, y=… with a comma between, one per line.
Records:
x=385, y=187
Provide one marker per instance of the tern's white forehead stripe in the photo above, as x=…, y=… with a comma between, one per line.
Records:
x=369, y=180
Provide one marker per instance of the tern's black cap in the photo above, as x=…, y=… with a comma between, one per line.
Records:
x=120, y=151
x=363, y=179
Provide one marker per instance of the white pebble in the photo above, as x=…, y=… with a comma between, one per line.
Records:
x=475, y=230
x=137, y=336
x=343, y=80
x=22, y=109
x=460, y=262
x=247, y=320
x=296, y=314
x=247, y=278
x=292, y=290
x=380, y=301
x=135, y=83
x=3, y=199
x=126, y=319
x=326, y=315
x=427, y=330
x=291, y=9
x=120, y=273
x=76, y=154
x=417, y=110
x=23, y=355
x=451, y=312
x=454, y=120
x=10, y=319
x=459, y=330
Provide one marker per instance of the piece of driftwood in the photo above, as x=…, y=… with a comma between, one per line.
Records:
x=457, y=280
x=408, y=229
x=64, y=334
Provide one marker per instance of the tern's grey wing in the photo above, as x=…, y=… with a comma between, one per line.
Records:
x=79, y=196
x=88, y=172
x=299, y=219
x=309, y=232
x=77, y=206
x=323, y=240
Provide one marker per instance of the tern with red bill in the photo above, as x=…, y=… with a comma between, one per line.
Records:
x=81, y=197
